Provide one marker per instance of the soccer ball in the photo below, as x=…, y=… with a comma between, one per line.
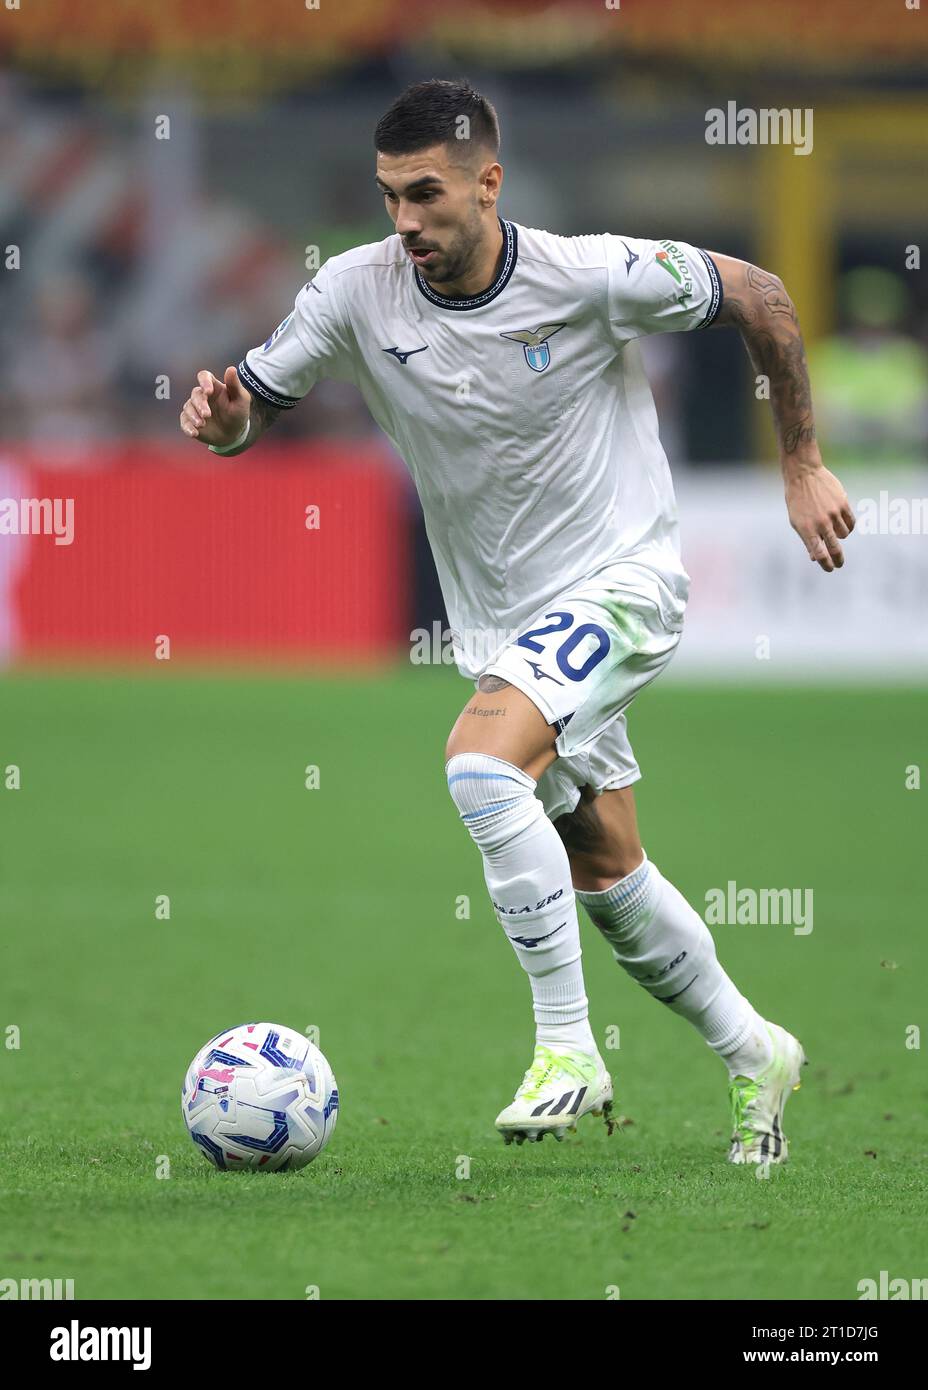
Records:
x=260, y=1096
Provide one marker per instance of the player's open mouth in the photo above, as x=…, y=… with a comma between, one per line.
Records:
x=420, y=257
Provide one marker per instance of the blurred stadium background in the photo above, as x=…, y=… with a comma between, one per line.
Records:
x=143, y=259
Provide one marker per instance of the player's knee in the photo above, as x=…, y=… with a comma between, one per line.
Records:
x=478, y=780
x=491, y=795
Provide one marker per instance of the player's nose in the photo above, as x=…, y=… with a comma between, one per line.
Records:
x=407, y=223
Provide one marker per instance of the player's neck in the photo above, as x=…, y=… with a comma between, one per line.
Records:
x=486, y=267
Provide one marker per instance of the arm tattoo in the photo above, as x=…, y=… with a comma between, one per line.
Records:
x=490, y=684
x=263, y=415
x=758, y=305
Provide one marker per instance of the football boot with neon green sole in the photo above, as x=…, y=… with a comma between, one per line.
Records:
x=557, y=1090
x=757, y=1103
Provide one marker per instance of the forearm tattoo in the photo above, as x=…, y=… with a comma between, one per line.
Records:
x=263, y=415
x=758, y=305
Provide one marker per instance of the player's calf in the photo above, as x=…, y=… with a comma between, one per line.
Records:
x=601, y=838
x=528, y=877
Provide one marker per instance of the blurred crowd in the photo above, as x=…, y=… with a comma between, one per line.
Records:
x=142, y=260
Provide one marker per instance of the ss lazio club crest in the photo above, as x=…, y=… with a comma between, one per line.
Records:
x=535, y=343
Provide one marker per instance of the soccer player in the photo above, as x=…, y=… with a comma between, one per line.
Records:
x=501, y=361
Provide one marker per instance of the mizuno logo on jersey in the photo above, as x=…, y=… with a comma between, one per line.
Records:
x=404, y=356
x=535, y=343
x=632, y=258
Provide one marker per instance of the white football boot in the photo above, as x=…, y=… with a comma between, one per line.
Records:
x=757, y=1103
x=556, y=1091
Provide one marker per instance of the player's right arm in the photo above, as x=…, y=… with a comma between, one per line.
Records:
x=312, y=342
x=217, y=411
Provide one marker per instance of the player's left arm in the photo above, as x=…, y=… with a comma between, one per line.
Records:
x=756, y=303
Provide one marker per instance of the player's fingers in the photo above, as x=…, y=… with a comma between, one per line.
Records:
x=818, y=551
x=208, y=382
x=199, y=402
x=840, y=526
x=189, y=422
x=834, y=546
x=232, y=384
x=850, y=520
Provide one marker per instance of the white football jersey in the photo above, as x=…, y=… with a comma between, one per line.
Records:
x=523, y=413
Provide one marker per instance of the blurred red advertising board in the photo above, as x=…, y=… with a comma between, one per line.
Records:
x=305, y=557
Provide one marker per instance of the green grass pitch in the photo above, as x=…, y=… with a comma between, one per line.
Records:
x=337, y=907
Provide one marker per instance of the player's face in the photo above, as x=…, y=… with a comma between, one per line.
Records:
x=439, y=208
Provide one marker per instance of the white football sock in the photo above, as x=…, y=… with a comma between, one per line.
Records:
x=665, y=945
x=527, y=874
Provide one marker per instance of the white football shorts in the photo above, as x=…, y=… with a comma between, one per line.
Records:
x=582, y=663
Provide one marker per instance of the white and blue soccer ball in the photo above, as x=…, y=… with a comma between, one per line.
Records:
x=260, y=1096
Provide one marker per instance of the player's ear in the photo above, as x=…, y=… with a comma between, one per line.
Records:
x=491, y=181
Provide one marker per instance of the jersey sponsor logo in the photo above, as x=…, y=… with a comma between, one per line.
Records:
x=632, y=258
x=404, y=356
x=535, y=343
x=277, y=332
x=672, y=259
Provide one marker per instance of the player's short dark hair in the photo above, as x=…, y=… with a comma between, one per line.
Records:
x=428, y=113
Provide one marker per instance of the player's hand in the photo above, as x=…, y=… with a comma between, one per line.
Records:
x=216, y=410
x=820, y=513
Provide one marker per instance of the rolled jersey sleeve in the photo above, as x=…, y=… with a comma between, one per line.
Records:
x=659, y=287
x=311, y=343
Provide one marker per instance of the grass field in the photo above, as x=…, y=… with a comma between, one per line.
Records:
x=336, y=907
